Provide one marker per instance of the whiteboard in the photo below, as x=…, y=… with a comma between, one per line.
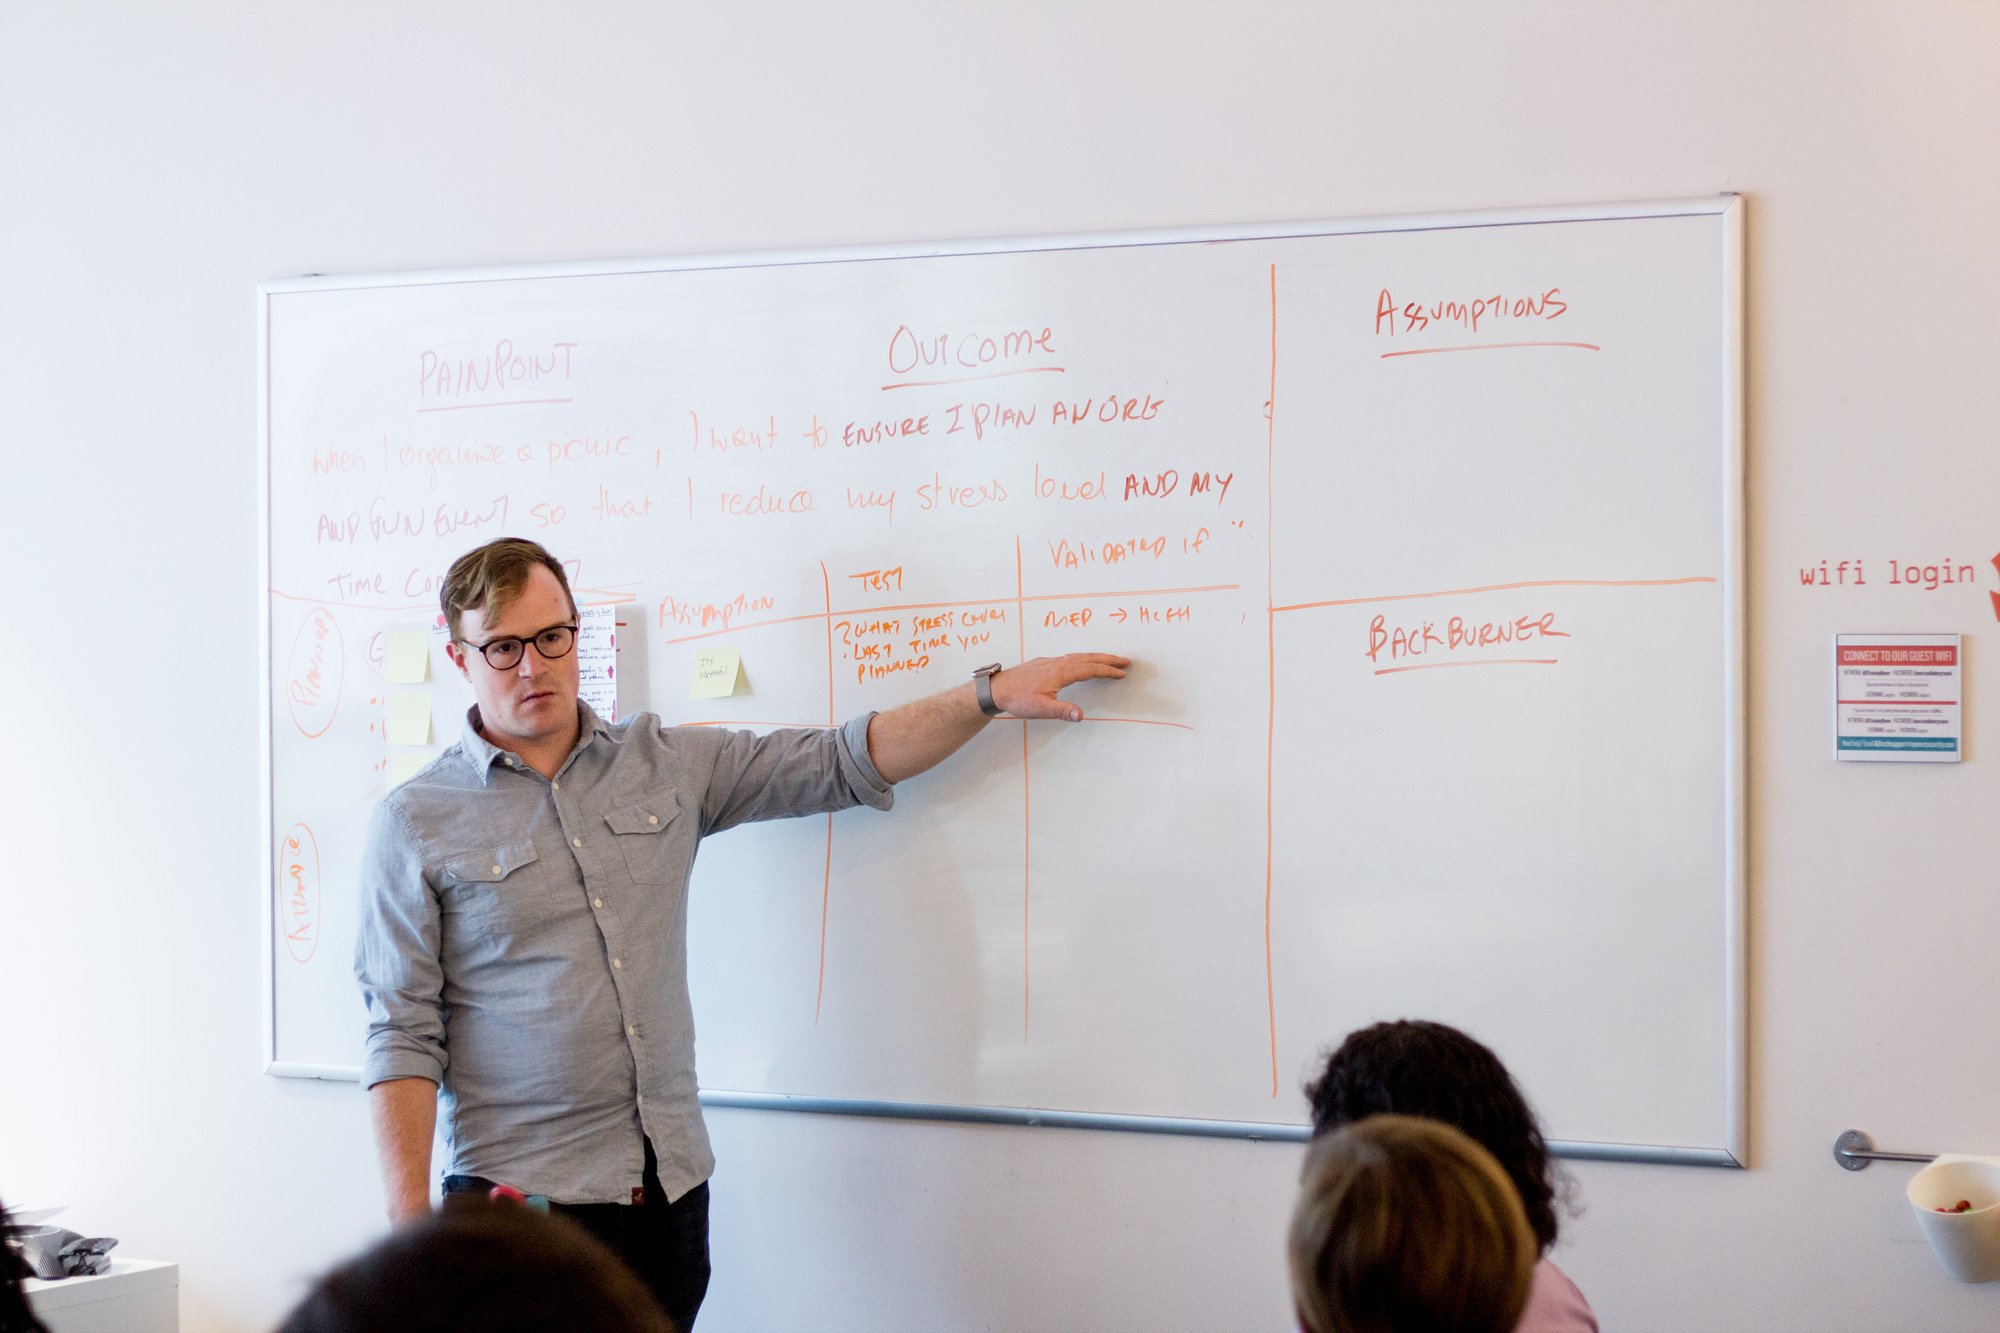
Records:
x=1425, y=534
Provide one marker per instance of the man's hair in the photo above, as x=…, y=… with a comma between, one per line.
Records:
x=1405, y=1225
x=16, y=1315
x=489, y=578
x=1429, y=1069
x=481, y=1267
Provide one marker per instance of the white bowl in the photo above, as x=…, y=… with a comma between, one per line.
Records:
x=1967, y=1244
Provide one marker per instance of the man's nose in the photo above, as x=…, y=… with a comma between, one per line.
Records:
x=525, y=668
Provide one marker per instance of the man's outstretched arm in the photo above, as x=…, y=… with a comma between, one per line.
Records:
x=905, y=741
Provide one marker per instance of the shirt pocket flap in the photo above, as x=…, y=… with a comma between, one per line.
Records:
x=649, y=814
x=490, y=867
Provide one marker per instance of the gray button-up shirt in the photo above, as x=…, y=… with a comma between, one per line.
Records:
x=523, y=941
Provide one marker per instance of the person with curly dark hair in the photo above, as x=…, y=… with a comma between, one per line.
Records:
x=1419, y=1068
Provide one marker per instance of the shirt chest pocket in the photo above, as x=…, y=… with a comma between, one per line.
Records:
x=652, y=853
x=497, y=892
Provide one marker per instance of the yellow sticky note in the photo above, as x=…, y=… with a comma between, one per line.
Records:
x=715, y=672
x=410, y=718
x=409, y=656
x=404, y=766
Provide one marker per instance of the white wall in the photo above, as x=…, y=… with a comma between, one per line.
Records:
x=155, y=163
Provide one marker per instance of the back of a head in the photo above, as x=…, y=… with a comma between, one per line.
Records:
x=16, y=1316
x=1405, y=1225
x=493, y=1268
x=1413, y=1067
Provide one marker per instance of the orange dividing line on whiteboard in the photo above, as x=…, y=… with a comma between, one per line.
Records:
x=1021, y=640
x=1128, y=592
x=826, y=887
x=1027, y=838
x=1487, y=661
x=752, y=722
x=933, y=606
x=824, y=726
x=1502, y=587
x=1487, y=347
x=750, y=624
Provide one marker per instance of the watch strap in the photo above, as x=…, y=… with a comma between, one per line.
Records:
x=982, y=686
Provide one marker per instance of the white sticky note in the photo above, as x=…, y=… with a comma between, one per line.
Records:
x=404, y=765
x=409, y=657
x=597, y=659
x=715, y=672
x=409, y=718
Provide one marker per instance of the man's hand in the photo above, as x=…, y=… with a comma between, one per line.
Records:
x=1029, y=690
x=405, y=1113
x=905, y=741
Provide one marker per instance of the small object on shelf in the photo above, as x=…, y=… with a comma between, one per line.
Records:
x=53, y=1253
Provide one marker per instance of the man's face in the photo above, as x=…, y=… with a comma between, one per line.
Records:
x=535, y=699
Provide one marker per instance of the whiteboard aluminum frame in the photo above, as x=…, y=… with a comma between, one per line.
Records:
x=1735, y=696
x=1728, y=208
x=1259, y=1130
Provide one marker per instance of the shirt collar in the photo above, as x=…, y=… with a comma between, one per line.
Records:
x=486, y=754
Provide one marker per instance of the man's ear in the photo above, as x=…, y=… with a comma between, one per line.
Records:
x=457, y=656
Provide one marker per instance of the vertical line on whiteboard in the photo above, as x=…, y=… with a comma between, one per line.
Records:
x=1271, y=661
x=1021, y=653
x=826, y=886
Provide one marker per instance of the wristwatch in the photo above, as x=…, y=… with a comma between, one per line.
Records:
x=982, y=685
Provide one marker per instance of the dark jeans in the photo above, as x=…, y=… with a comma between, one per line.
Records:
x=666, y=1244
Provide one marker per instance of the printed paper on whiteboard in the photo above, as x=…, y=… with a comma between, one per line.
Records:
x=597, y=659
x=1896, y=698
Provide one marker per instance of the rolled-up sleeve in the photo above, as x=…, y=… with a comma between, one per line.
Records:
x=396, y=956
x=792, y=771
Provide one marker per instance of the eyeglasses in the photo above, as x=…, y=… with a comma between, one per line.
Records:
x=505, y=654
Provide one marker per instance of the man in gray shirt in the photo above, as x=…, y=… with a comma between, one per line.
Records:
x=523, y=935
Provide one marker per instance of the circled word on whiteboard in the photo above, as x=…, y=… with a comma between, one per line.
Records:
x=313, y=673
x=299, y=883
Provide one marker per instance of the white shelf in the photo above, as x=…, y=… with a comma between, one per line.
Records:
x=136, y=1296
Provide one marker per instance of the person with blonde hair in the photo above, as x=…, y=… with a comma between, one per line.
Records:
x=1405, y=1225
x=1414, y=1067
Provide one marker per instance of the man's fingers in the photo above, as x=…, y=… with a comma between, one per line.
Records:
x=1043, y=676
x=1091, y=666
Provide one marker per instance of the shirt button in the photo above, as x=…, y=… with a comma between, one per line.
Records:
x=618, y=963
x=556, y=786
x=652, y=819
x=597, y=902
x=576, y=842
x=641, y=1099
x=496, y=870
x=631, y=1032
